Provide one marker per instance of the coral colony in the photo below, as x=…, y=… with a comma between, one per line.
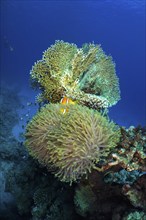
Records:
x=85, y=75
x=100, y=167
x=71, y=137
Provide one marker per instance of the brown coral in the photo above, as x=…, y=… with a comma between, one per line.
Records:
x=131, y=150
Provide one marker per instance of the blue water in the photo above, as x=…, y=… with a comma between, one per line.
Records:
x=30, y=27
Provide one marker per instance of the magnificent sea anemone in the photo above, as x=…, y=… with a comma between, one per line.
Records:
x=71, y=144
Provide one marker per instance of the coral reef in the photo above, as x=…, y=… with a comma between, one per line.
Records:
x=108, y=202
x=84, y=74
x=130, y=153
x=84, y=200
x=41, y=196
x=10, y=148
x=74, y=140
x=136, y=193
x=70, y=144
x=136, y=215
x=123, y=177
x=111, y=201
x=38, y=194
x=117, y=191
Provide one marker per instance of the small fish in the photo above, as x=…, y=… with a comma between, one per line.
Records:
x=29, y=103
x=65, y=100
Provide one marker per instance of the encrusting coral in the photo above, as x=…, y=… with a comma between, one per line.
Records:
x=130, y=153
x=85, y=200
x=135, y=215
x=85, y=75
x=70, y=144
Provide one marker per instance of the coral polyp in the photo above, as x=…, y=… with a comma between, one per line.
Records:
x=86, y=75
x=70, y=144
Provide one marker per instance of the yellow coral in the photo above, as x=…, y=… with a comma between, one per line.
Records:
x=59, y=56
x=101, y=79
x=40, y=73
x=70, y=144
x=82, y=60
x=78, y=73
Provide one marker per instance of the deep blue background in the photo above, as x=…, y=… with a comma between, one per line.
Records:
x=29, y=27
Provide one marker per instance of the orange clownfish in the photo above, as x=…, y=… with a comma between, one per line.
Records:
x=65, y=101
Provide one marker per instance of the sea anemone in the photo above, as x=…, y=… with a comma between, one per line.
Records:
x=70, y=144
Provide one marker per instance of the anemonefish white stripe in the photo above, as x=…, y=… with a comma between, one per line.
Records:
x=64, y=100
x=64, y=110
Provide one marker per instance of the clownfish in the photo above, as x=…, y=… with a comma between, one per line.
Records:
x=65, y=101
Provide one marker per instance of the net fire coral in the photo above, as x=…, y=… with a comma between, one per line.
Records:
x=86, y=75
